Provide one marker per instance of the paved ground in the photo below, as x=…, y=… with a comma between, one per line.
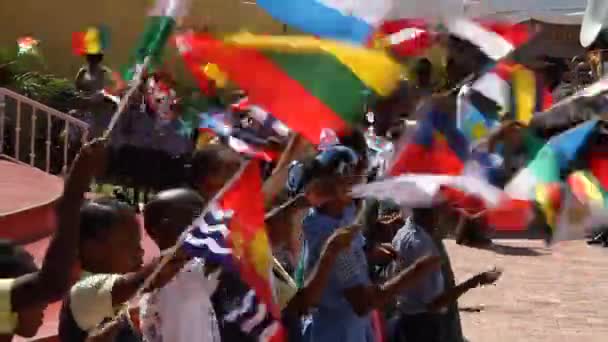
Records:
x=21, y=187
x=544, y=295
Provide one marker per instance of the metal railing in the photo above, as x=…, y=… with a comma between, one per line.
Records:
x=29, y=128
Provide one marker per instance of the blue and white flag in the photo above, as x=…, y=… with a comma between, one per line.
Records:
x=351, y=21
x=209, y=238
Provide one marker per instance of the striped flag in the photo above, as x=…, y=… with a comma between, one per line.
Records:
x=405, y=37
x=161, y=23
x=437, y=146
x=323, y=81
x=215, y=124
x=353, y=21
x=234, y=235
x=262, y=116
x=93, y=41
x=496, y=40
x=507, y=91
x=209, y=238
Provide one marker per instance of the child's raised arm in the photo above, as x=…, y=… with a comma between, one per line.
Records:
x=53, y=279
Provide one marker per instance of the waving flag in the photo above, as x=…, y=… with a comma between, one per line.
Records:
x=508, y=91
x=353, y=21
x=159, y=27
x=94, y=40
x=405, y=37
x=543, y=180
x=262, y=116
x=215, y=124
x=437, y=147
x=209, y=238
x=198, y=68
x=551, y=161
x=307, y=83
x=495, y=40
x=250, y=245
x=234, y=234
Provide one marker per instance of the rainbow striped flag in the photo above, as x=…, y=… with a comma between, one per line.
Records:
x=93, y=41
x=508, y=91
x=544, y=179
x=307, y=83
x=437, y=147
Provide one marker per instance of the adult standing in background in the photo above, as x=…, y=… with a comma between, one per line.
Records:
x=90, y=82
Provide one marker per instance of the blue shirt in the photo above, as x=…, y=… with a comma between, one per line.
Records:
x=413, y=242
x=334, y=319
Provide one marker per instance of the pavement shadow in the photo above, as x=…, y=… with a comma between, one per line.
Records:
x=513, y=250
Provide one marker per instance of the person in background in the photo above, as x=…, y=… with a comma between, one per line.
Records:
x=110, y=257
x=26, y=290
x=346, y=302
x=91, y=80
x=420, y=308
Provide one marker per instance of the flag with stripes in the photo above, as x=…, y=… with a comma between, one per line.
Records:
x=209, y=238
x=255, y=319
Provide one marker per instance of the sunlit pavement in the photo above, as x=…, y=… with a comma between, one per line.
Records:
x=558, y=294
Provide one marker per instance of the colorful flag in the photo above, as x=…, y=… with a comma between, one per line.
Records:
x=209, y=238
x=543, y=180
x=405, y=37
x=262, y=116
x=199, y=69
x=236, y=228
x=248, y=239
x=159, y=27
x=508, y=91
x=496, y=40
x=215, y=124
x=352, y=21
x=93, y=41
x=551, y=161
x=307, y=83
x=422, y=190
x=437, y=147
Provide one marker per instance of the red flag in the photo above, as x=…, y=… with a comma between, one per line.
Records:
x=248, y=239
x=197, y=67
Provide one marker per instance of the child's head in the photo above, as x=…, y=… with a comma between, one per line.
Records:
x=333, y=170
x=212, y=167
x=16, y=262
x=169, y=213
x=110, y=239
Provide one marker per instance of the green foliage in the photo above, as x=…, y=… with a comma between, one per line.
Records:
x=25, y=74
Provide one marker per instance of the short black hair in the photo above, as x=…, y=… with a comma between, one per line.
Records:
x=97, y=217
x=356, y=141
x=14, y=260
x=159, y=207
x=205, y=160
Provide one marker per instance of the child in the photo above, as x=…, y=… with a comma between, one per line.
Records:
x=111, y=261
x=343, y=311
x=24, y=290
x=168, y=312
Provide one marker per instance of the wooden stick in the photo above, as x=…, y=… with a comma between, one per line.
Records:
x=124, y=101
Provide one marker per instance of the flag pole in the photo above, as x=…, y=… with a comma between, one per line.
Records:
x=124, y=101
x=168, y=254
